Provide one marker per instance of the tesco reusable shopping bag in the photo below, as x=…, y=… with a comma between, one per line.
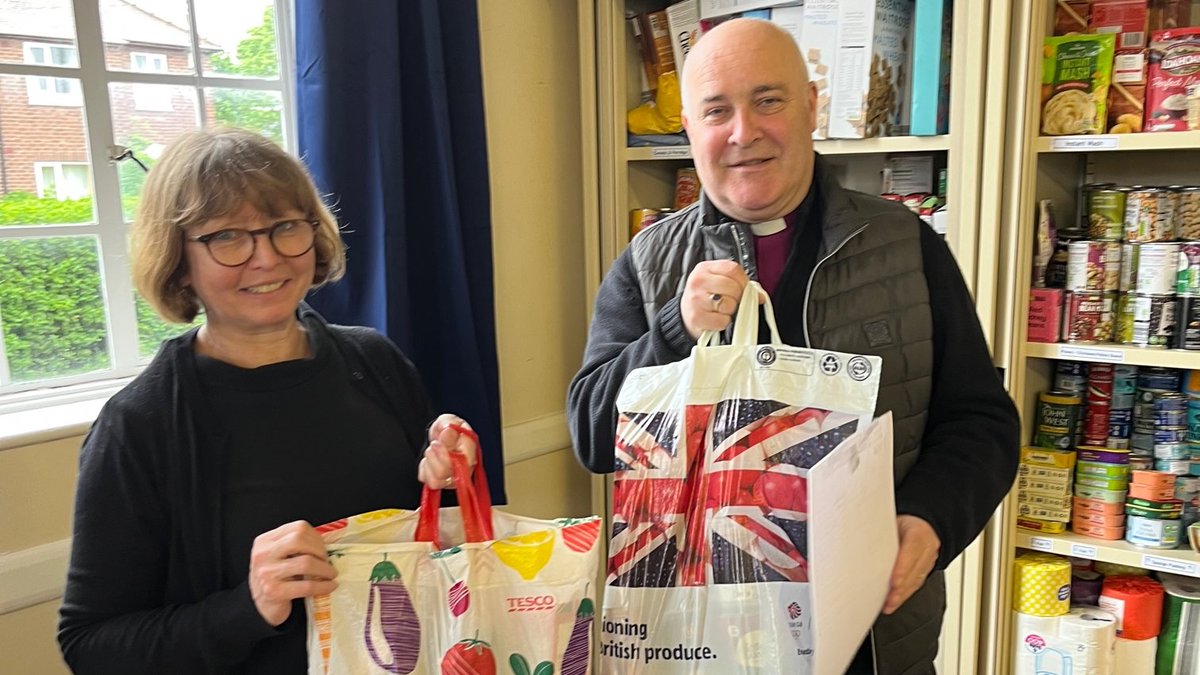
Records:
x=460, y=590
x=710, y=566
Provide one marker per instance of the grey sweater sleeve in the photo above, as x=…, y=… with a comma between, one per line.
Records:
x=619, y=341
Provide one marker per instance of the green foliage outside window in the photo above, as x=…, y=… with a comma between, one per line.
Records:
x=52, y=307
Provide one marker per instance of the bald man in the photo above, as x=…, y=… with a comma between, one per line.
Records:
x=846, y=271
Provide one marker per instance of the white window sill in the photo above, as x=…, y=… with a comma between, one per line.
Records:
x=52, y=421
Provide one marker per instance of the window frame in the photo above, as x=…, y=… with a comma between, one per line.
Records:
x=50, y=96
x=108, y=225
x=59, y=175
x=149, y=97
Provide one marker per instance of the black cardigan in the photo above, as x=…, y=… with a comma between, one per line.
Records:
x=145, y=589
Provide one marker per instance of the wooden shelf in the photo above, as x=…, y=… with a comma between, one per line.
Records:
x=1177, y=561
x=1166, y=140
x=864, y=146
x=1112, y=353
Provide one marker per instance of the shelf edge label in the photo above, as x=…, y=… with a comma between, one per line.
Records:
x=1083, y=551
x=1153, y=562
x=1084, y=143
x=1095, y=354
x=1041, y=544
x=682, y=152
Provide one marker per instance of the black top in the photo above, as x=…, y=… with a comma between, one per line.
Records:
x=157, y=578
x=300, y=436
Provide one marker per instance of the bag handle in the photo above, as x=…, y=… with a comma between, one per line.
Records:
x=745, y=323
x=474, y=498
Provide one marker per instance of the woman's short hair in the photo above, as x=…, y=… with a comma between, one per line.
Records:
x=210, y=174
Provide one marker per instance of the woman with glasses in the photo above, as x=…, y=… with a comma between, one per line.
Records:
x=192, y=548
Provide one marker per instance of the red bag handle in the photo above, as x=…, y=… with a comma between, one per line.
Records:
x=474, y=498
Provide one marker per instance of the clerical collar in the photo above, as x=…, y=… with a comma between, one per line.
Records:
x=768, y=228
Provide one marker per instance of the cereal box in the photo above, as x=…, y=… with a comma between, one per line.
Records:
x=820, y=32
x=1045, y=314
x=1174, y=64
x=932, y=24
x=1076, y=72
x=872, y=85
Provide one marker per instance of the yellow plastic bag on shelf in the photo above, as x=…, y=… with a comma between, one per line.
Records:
x=662, y=115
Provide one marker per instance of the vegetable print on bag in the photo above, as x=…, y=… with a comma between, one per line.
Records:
x=456, y=591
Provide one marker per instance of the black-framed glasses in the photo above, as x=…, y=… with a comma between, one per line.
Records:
x=235, y=246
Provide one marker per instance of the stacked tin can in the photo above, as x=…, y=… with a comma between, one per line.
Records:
x=1155, y=301
x=1187, y=488
x=1101, y=487
x=1093, y=270
x=1160, y=420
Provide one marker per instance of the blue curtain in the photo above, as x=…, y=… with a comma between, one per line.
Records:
x=391, y=124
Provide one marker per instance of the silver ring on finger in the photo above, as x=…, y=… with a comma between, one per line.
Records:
x=716, y=302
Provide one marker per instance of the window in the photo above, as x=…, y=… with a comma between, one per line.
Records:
x=52, y=90
x=149, y=96
x=62, y=180
x=69, y=317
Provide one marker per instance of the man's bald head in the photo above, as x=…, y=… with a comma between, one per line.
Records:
x=741, y=34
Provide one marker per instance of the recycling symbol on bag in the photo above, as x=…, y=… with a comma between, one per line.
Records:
x=766, y=356
x=831, y=364
x=859, y=368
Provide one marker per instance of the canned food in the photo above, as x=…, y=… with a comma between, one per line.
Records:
x=1156, y=378
x=1186, y=488
x=1150, y=269
x=687, y=187
x=1187, y=215
x=1144, y=441
x=1089, y=317
x=1124, y=386
x=1146, y=320
x=1095, y=266
x=1152, y=532
x=1150, y=215
x=1187, y=273
x=1193, y=421
x=1187, y=316
x=1095, y=426
x=1071, y=376
x=1172, y=451
x=640, y=219
x=1120, y=425
x=1106, y=213
x=1140, y=463
x=1057, y=419
x=1177, y=467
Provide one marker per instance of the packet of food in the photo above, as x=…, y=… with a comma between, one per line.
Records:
x=1174, y=61
x=1076, y=72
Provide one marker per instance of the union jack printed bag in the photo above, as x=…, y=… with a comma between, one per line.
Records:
x=708, y=564
x=461, y=590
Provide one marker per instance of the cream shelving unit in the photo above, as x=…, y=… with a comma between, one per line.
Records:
x=1052, y=168
x=618, y=179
